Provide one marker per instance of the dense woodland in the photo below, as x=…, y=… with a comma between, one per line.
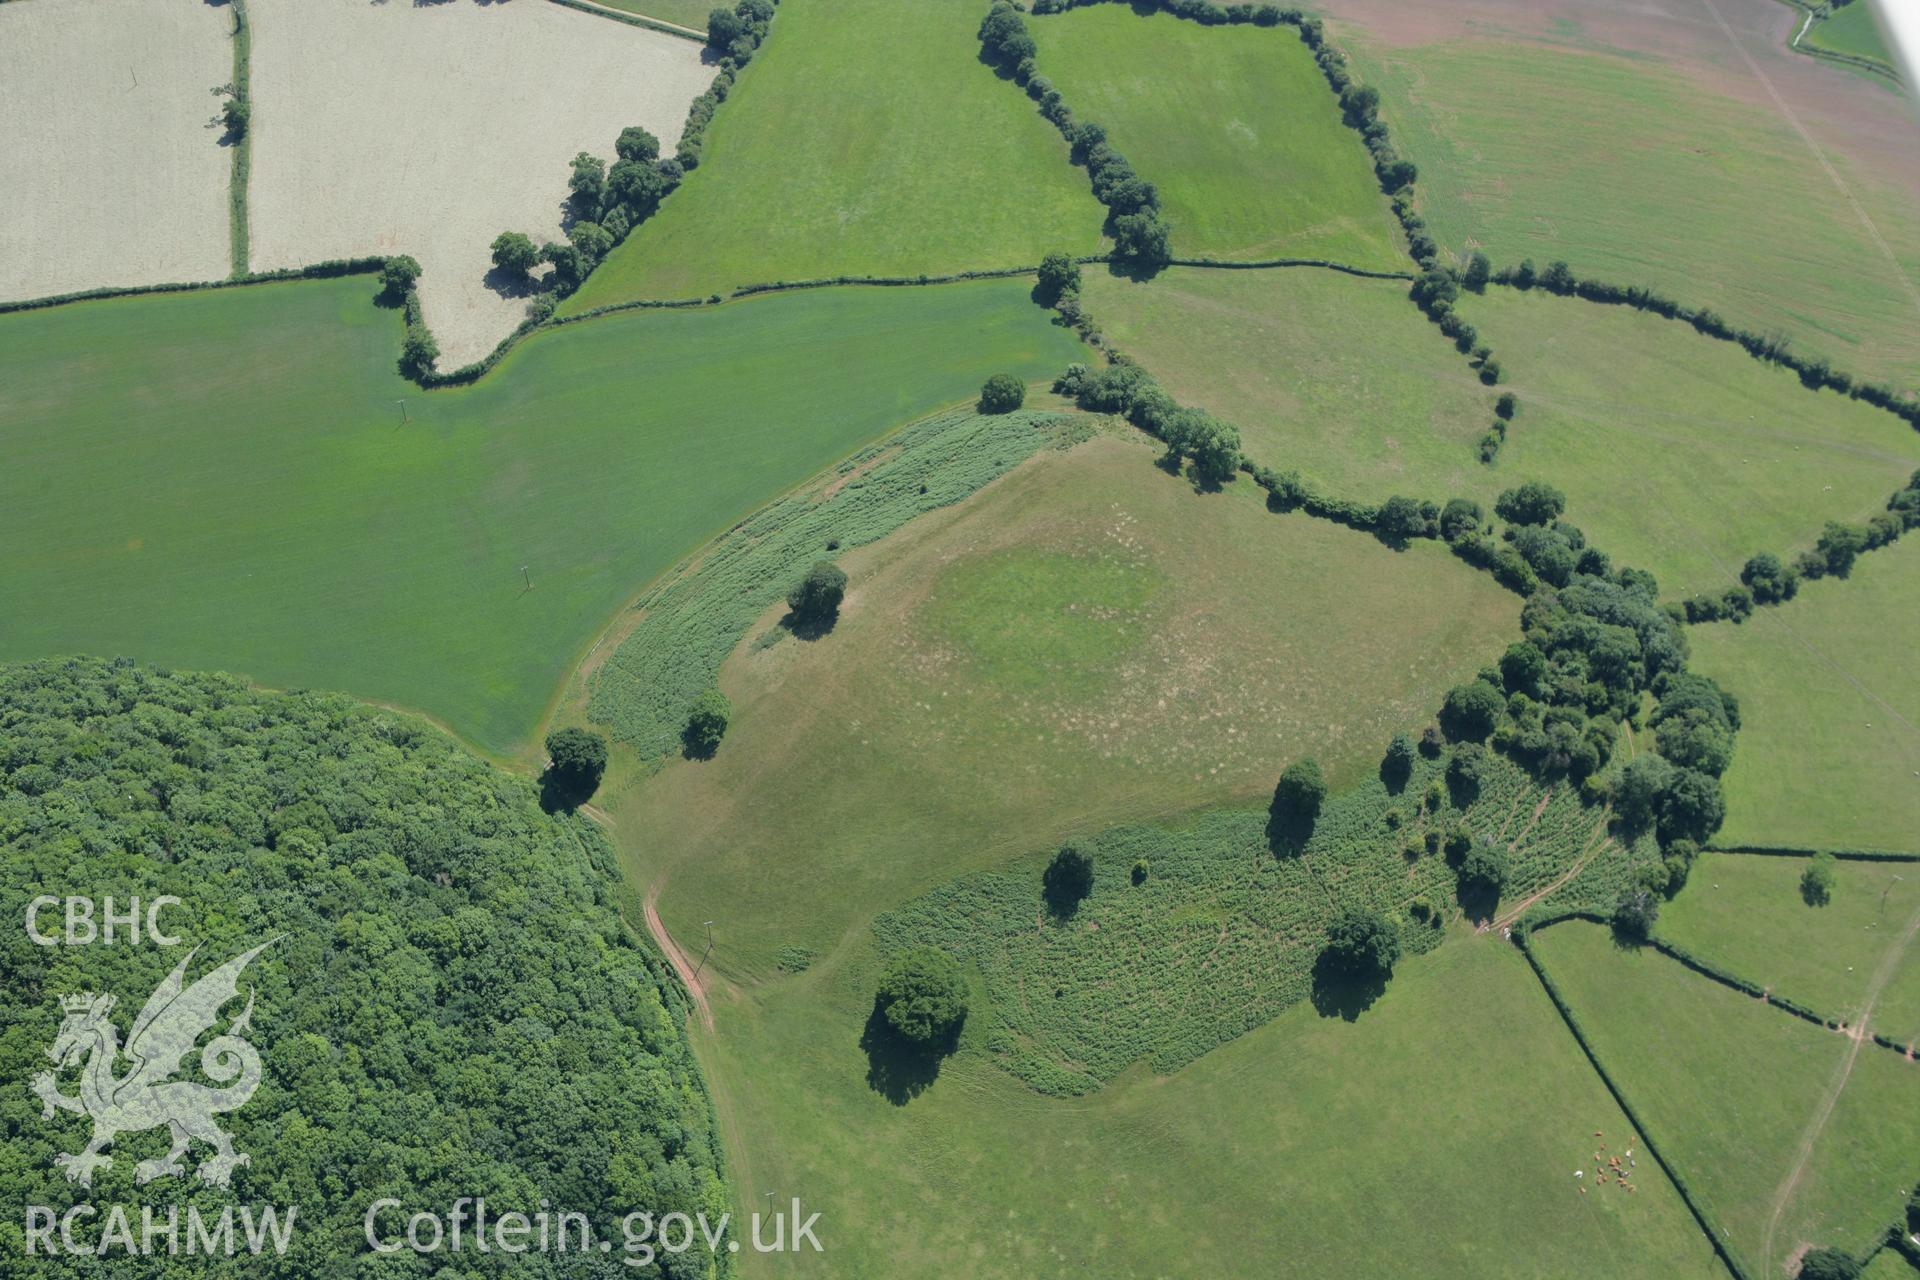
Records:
x=456, y=1006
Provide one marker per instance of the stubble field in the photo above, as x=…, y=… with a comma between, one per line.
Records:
x=111, y=173
x=436, y=165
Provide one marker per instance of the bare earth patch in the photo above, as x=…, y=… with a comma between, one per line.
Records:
x=428, y=130
x=106, y=104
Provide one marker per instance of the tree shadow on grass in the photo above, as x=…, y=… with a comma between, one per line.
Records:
x=564, y=792
x=1338, y=994
x=898, y=1069
x=808, y=628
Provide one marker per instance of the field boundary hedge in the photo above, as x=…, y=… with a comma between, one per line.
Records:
x=1264, y=264
x=633, y=19
x=1796, y=851
x=1794, y=44
x=239, y=229
x=1523, y=937
x=325, y=270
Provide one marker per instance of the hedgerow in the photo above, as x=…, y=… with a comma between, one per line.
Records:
x=1141, y=236
x=693, y=619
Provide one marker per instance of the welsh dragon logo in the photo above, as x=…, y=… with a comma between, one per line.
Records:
x=147, y=1096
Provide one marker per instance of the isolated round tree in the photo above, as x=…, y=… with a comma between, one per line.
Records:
x=1301, y=790
x=922, y=995
x=577, y=753
x=815, y=599
x=1067, y=880
x=1362, y=943
x=707, y=724
x=1002, y=393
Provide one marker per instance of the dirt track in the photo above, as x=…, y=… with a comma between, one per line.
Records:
x=688, y=971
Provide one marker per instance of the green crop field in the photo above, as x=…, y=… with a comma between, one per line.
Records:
x=1636, y=173
x=1433, y=1137
x=1828, y=745
x=1730, y=1089
x=1850, y=29
x=1234, y=125
x=1337, y=376
x=912, y=743
x=225, y=479
x=1680, y=453
x=1745, y=913
x=867, y=138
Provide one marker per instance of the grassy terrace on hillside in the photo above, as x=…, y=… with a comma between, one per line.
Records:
x=1633, y=173
x=1828, y=745
x=1432, y=1137
x=866, y=138
x=1729, y=1086
x=1234, y=125
x=1334, y=375
x=225, y=479
x=1679, y=453
x=1745, y=913
x=1085, y=642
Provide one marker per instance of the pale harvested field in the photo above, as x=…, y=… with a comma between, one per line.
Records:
x=428, y=130
x=108, y=173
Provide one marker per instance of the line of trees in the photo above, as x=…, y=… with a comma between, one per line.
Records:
x=1125, y=388
x=1141, y=235
x=1764, y=579
x=1814, y=371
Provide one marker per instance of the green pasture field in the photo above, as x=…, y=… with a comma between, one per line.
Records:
x=1636, y=173
x=1730, y=1086
x=685, y=13
x=1337, y=376
x=1434, y=1136
x=1850, y=29
x=1745, y=913
x=914, y=742
x=866, y=138
x=238, y=479
x=1235, y=126
x=1680, y=453
x=1828, y=703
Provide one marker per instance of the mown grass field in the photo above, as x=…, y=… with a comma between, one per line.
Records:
x=1234, y=125
x=1085, y=642
x=866, y=138
x=1638, y=173
x=226, y=480
x=1850, y=29
x=1432, y=1137
x=1745, y=913
x=1335, y=375
x=1728, y=1088
x=1828, y=740
x=1679, y=453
